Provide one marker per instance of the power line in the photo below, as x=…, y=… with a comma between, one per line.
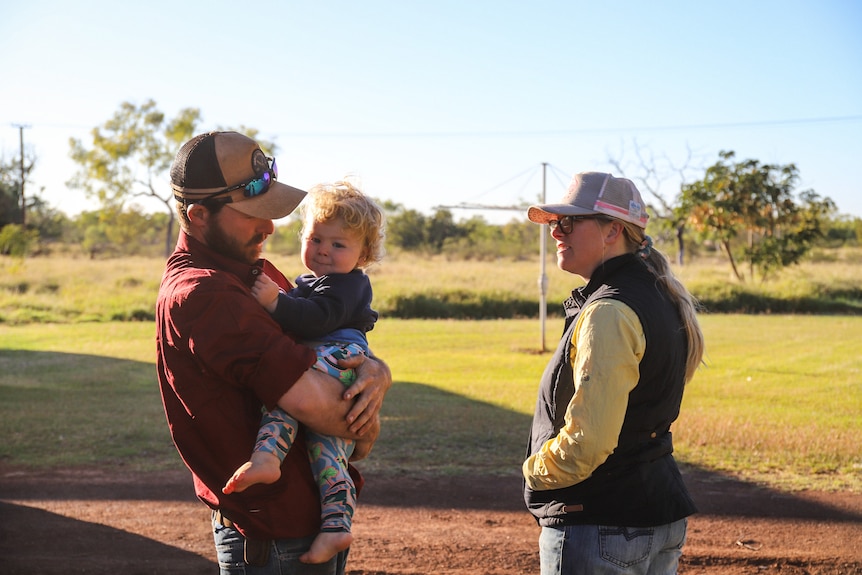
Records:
x=471, y=202
x=573, y=131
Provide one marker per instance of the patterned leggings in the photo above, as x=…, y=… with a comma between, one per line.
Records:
x=328, y=455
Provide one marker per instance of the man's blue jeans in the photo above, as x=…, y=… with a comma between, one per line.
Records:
x=603, y=550
x=283, y=557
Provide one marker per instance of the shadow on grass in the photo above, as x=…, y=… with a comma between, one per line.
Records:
x=81, y=409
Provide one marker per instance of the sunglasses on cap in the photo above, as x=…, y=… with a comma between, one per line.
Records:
x=267, y=172
x=567, y=223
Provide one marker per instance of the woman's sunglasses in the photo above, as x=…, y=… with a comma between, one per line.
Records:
x=567, y=223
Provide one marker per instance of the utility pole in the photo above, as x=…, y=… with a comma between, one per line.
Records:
x=21, y=164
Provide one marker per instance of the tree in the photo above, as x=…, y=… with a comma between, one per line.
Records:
x=18, y=234
x=50, y=223
x=755, y=202
x=406, y=229
x=521, y=238
x=843, y=230
x=441, y=227
x=11, y=210
x=17, y=240
x=9, y=186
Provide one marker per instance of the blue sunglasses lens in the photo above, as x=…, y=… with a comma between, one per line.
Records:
x=258, y=186
x=261, y=184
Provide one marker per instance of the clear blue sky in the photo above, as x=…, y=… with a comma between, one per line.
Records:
x=449, y=101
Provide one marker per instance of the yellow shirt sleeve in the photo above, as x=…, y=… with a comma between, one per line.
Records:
x=607, y=345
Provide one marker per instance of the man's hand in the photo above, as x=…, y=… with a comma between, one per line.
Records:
x=373, y=380
x=320, y=401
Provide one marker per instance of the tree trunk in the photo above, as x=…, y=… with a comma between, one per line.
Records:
x=726, y=245
x=680, y=241
x=751, y=248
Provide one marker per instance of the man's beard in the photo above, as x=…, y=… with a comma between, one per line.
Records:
x=229, y=246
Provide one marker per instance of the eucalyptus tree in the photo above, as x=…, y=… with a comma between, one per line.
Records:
x=755, y=206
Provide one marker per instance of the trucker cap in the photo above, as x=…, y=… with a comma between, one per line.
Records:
x=593, y=193
x=230, y=168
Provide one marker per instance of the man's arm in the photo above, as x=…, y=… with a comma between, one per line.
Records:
x=315, y=400
x=320, y=401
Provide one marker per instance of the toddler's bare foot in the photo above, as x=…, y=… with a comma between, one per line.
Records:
x=263, y=467
x=326, y=545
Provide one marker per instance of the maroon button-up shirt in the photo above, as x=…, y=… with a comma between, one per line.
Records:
x=220, y=357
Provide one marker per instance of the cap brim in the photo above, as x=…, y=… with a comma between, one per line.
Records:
x=544, y=213
x=278, y=201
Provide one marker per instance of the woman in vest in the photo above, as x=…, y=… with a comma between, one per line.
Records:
x=600, y=477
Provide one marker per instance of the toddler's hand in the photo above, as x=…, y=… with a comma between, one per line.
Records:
x=265, y=291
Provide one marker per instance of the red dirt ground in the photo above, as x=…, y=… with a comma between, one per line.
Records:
x=64, y=521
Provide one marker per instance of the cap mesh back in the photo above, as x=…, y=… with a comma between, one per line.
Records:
x=196, y=165
x=616, y=192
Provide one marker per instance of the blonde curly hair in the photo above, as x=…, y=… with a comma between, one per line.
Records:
x=359, y=213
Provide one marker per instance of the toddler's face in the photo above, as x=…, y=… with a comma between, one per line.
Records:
x=330, y=248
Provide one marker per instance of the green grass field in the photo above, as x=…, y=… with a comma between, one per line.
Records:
x=778, y=401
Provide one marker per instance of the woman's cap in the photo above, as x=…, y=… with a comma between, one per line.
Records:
x=596, y=193
x=231, y=168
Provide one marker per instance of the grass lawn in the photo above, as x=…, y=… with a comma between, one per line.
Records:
x=778, y=400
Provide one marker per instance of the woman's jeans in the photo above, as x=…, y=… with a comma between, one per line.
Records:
x=603, y=550
x=283, y=556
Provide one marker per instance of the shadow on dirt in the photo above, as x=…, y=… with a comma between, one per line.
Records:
x=64, y=545
x=432, y=423
x=713, y=493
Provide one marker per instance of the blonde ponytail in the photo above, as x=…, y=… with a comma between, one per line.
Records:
x=659, y=266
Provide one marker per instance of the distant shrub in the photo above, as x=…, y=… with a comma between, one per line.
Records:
x=458, y=304
x=17, y=241
x=18, y=288
x=51, y=287
x=735, y=298
x=129, y=282
x=134, y=315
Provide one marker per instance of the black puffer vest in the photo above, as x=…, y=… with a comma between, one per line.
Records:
x=639, y=485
